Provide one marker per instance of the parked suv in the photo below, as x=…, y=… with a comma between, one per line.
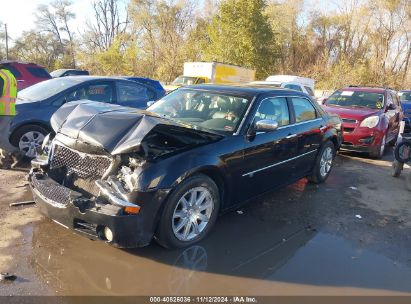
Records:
x=69, y=72
x=26, y=74
x=371, y=117
x=405, y=99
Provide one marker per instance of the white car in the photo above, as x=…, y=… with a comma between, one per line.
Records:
x=291, y=82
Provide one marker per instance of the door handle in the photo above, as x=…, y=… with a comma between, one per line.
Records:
x=322, y=128
x=291, y=136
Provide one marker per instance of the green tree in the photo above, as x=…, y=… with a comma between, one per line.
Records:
x=241, y=34
x=163, y=32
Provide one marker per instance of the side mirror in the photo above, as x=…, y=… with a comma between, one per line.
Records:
x=266, y=125
x=324, y=101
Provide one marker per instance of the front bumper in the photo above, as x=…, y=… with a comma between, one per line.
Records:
x=89, y=217
x=362, y=139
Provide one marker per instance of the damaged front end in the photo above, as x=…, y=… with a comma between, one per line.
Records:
x=70, y=188
x=91, y=177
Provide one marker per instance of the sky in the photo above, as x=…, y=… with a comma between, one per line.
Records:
x=20, y=14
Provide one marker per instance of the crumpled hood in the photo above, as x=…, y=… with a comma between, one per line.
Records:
x=114, y=128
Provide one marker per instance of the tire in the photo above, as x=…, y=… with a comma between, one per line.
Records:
x=321, y=173
x=28, y=139
x=176, y=228
x=379, y=152
x=399, y=151
x=396, y=168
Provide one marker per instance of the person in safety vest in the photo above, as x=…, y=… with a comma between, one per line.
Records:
x=8, y=95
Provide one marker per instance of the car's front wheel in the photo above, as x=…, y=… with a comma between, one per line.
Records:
x=29, y=139
x=323, y=163
x=380, y=150
x=190, y=212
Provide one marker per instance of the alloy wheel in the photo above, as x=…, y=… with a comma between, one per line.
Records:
x=30, y=142
x=326, y=161
x=192, y=213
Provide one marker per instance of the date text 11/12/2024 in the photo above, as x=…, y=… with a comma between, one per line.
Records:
x=203, y=299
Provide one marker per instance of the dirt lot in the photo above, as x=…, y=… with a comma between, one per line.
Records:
x=350, y=235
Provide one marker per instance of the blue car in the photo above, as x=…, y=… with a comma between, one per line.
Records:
x=405, y=98
x=155, y=84
x=36, y=104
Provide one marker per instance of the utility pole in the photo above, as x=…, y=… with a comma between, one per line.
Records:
x=7, y=42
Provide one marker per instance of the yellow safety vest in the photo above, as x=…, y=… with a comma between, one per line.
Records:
x=9, y=94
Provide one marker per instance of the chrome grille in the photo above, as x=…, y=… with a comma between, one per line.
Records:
x=57, y=194
x=85, y=166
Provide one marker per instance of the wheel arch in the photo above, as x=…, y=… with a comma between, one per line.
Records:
x=217, y=176
x=32, y=123
x=332, y=135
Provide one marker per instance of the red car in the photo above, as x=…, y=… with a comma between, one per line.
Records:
x=371, y=117
x=26, y=74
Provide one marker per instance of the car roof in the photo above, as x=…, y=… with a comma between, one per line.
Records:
x=18, y=62
x=365, y=89
x=248, y=90
x=83, y=78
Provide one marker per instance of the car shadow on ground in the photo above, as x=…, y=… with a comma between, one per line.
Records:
x=343, y=233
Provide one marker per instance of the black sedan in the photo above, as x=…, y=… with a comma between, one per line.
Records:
x=126, y=176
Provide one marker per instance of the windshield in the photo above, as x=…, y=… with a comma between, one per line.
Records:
x=184, y=80
x=356, y=99
x=46, y=89
x=405, y=96
x=213, y=111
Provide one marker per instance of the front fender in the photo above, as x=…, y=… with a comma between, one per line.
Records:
x=169, y=173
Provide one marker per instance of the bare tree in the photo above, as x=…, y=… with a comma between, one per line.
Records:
x=46, y=21
x=107, y=25
x=64, y=16
x=53, y=24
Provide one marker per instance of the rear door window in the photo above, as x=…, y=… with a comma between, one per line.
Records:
x=303, y=109
x=130, y=92
x=274, y=108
